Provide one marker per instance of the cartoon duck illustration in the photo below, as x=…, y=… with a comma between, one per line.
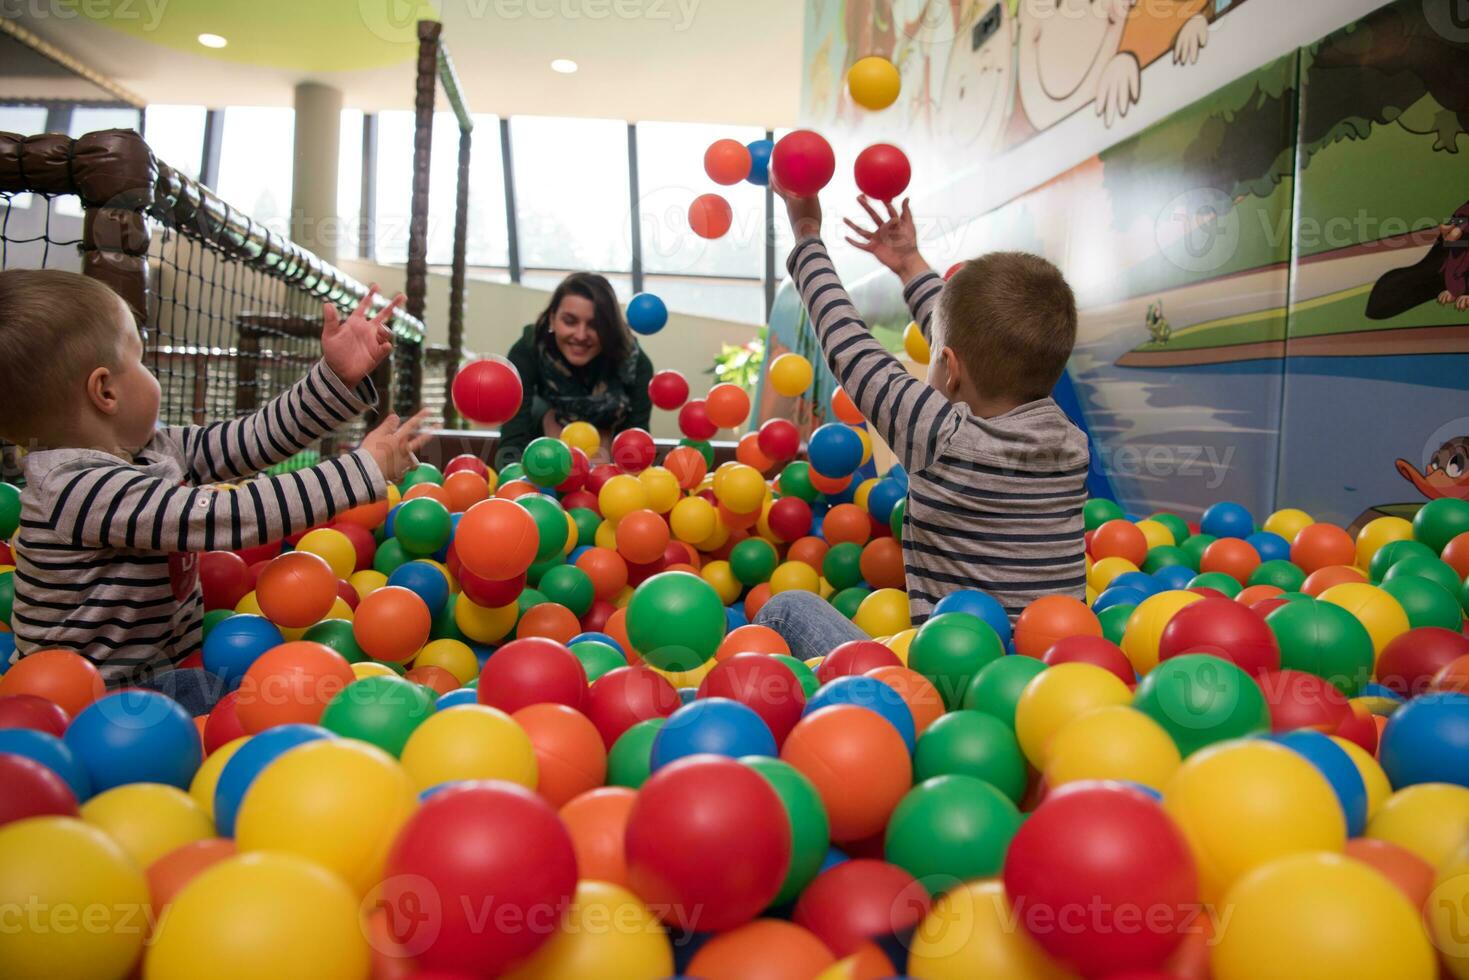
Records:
x=1442, y=274
x=1447, y=474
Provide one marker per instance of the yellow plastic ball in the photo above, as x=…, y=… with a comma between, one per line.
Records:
x=469, y=741
x=1320, y=917
x=1430, y=819
x=249, y=605
x=1373, y=778
x=719, y=575
x=1116, y=742
x=148, y=819
x=1373, y=607
x=741, y=488
x=1378, y=532
x=883, y=613
x=606, y=934
x=606, y=536
x=717, y=538
x=900, y=642
x=1104, y=571
x=1243, y=804
x=687, y=678
x=866, y=439
x=395, y=496
x=970, y=934
x=762, y=523
x=333, y=546
x=492, y=480
x=874, y=83
x=1145, y=626
x=1288, y=522
x=583, y=436
x=1155, y=533
x=693, y=519
x=453, y=655
x=859, y=496
x=662, y=487
x=791, y=375
x=484, y=624
x=915, y=345
x=1091, y=596
x=336, y=802
x=262, y=915
x=371, y=668
x=1058, y=696
x=794, y=576
x=90, y=898
x=339, y=610
x=367, y=582
x=573, y=532
x=1445, y=913
x=206, y=778
x=622, y=495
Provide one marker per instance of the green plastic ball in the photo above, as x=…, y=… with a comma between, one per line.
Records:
x=996, y=689
x=1200, y=699
x=1194, y=548
x=1393, y=552
x=1324, y=639
x=804, y=674
x=1114, y=621
x=842, y=566
x=1176, y=525
x=337, y=634
x=972, y=743
x=951, y=829
x=810, y=828
x=570, y=586
x=383, y=711
x=550, y=522
x=753, y=561
x=9, y=510
x=630, y=761
x=422, y=473
x=1100, y=510
x=895, y=520
x=529, y=598
x=675, y=620
x=1435, y=570
x=704, y=447
x=1279, y=573
x=847, y=600
x=214, y=617
x=597, y=657
x=950, y=650
x=587, y=522
x=422, y=526
x=1440, y=521
x=795, y=481
x=444, y=626
x=1164, y=555
x=389, y=555
x=1219, y=581
x=546, y=461
x=7, y=596
x=1425, y=601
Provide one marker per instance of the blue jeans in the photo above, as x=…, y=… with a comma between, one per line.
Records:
x=809, y=624
x=194, y=688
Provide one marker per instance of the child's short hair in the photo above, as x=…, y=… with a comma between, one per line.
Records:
x=54, y=326
x=1011, y=319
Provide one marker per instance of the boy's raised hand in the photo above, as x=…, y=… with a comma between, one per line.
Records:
x=893, y=241
x=394, y=442
x=355, y=346
x=804, y=212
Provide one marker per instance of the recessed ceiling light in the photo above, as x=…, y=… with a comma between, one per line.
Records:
x=564, y=65
x=212, y=41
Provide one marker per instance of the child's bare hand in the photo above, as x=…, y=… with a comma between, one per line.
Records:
x=393, y=444
x=893, y=241
x=804, y=212
x=355, y=346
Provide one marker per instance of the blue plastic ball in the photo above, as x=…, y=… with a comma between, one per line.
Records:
x=869, y=693
x=883, y=497
x=247, y=763
x=7, y=649
x=597, y=638
x=760, y=151
x=1117, y=595
x=135, y=736
x=51, y=752
x=646, y=314
x=1174, y=577
x=1269, y=545
x=688, y=694
x=1227, y=519
x=734, y=617
x=1427, y=741
x=834, y=857
x=835, y=450
x=425, y=581
x=977, y=603
x=718, y=726
x=458, y=696
x=1332, y=761
x=233, y=645
x=1141, y=581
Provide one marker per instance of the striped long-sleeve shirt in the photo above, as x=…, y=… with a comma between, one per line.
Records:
x=106, y=553
x=993, y=503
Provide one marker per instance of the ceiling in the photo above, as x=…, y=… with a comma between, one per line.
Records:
x=724, y=61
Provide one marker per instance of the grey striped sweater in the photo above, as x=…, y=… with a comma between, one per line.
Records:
x=106, y=557
x=993, y=503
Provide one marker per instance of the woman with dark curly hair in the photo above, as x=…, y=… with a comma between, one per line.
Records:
x=578, y=362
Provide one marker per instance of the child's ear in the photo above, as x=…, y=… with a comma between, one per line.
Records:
x=102, y=391
x=953, y=373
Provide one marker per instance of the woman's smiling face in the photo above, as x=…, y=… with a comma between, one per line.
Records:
x=576, y=335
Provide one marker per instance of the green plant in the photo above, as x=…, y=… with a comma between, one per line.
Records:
x=740, y=364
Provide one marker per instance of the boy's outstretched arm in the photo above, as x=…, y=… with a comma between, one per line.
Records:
x=893, y=241
x=912, y=417
x=336, y=390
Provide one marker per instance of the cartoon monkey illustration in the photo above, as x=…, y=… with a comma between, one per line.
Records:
x=1442, y=274
x=1447, y=474
x=979, y=83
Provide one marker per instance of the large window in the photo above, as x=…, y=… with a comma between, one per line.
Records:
x=85, y=119
x=571, y=193
x=176, y=134
x=349, y=183
x=256, y=163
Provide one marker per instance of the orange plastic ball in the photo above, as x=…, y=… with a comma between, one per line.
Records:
x=748, y=452
x=846, y=522
x=550, y=620
x=291, y=684
x=369, y=516
x=882, y=564
x=829, y=485
x=597, y=822
x=66, y=679
x=753, y=638
x=1120, y=539
x=1453, y=677
x=431, y=490
x=616, y=627
x=727, y=405
x=1234, y=557
x=917, y=692
x=464, y=489
x=687, y=465
x=296, y=589
x=770, y=949
x=1324, y=578
x=727, y=161
x=515, y=488
x=438, y=679
x=737, y=522
x=1412, y=875
x=1319, y=546
x=392, y=623
x=168, y=875
x=497, y=540
x=756, y=598
x=844, y=408
x=607, y=570
x=810, y=550
x=570, y=755
x=1255, y=593
x=1051, y=618
x=642, y=537
x=1456, y=553
x=858, y=763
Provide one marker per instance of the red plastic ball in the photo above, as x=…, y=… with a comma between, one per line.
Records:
x=533, y=670
x=582, y=498
x=581, y=467
x=763, y=684
x=694, y=421
x=859, y=901
x=633, y=450
x=883, y=171
x=475, y=850
x=1410, y=661
x=487, y=391
x=467, y=461
x=1301, y=700
x=1226, y=629
x=260, y=552
x=710, y=216
x=949, y=274
x=780, y=440
x=803, y=162
x=362, y=542
x=1119, y=539
x=727, y=161
x=490, y=594
x=855, y=657
x=733, y=843
x=789, y=518
x=224, y=578
x=223, y=724
x=668, y=390
x=621, y=698
x=596, y=479
x=595, y=620
x=1106, y=848
x=35, y=713
x=33, y=790
x=1095, y=650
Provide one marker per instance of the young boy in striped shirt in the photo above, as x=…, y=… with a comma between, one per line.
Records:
x=997, y=472
x=115, y=507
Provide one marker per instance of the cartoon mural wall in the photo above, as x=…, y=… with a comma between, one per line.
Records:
x=1274, y=281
